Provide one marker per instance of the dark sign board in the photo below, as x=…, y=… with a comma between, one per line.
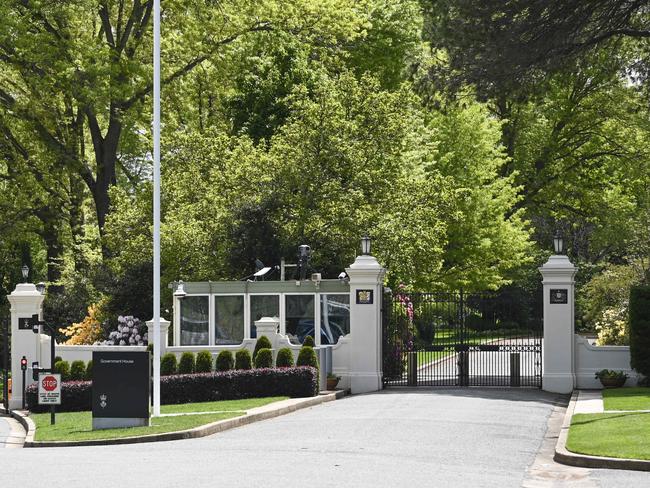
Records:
x=560, y=296
x=120, y=387
x=24, y=323
x=364, y=297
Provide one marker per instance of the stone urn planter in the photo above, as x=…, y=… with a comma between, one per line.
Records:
x=611, y=379
x=332, y=381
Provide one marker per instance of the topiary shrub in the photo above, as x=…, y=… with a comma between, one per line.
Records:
x=264, y=358
x=309, y=341
x=640, y=329
x=77, y=371
x=307, y=357
x=243, y=359
x=284, y=359
x=89, y=371
x=187, y=364
x=262, y=343
x=225, y=361
x=57, y=359
x=203, y=362
x=63, y=368
x=168, y=364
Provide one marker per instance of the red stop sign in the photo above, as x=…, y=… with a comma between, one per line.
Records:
x=49, y=383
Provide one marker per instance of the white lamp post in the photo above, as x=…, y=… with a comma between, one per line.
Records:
x=558, y=243
x=156, y=208
x=365, y=245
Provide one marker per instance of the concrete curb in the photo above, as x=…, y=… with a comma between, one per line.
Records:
x=262, y=413
x=564, y=456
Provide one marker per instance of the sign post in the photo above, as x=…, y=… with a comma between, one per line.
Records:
x=120, y=394
x=49, y=392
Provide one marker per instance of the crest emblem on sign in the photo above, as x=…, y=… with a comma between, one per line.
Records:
x=102, y=400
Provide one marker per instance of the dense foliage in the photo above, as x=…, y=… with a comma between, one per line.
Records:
x=460, y=134
x=204, y=362
x=263, y=358
x=243, y=359
x=225, y=361
x=640, y=329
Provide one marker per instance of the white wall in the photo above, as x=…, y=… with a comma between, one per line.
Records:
x=590, y=359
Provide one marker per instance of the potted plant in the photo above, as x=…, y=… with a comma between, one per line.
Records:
x=332, y=381
x=611, y=379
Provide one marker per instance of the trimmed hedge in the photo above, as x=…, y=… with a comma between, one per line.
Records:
x=204, y=362
x=231, y=385
x=187, y=364
x=224, y=361
x=284, y=359
x=75, y=397
x=200, y=387
x=89, y=371
x=63, y=368
x=168, y=364
x=243, y=359
x=78, y=371
x=309, y=341
x=264, y=358
x=640, y=329
x=307, y=357
x=262, y=343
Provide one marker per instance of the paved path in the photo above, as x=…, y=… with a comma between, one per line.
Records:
x=399, y=438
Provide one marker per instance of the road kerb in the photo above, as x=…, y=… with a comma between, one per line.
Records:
x=255, y=415
x=564, y=456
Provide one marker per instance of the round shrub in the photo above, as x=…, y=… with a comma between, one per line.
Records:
x=168, y=364
x=309, y=341
x=307, y=357
x=203, y=362
x=264, y=358
x=77, y=371
x=63, y=368
x=187, y=364
x=225, y=361
x=243, y=359
x=262, y=343
x=89, y=371
x=284, y=359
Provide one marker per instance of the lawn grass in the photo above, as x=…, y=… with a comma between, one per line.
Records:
x=626, y=399
x=619, y=435
x=77, y=426
x=222, y=406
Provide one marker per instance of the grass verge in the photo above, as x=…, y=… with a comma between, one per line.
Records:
x=222, y=406
x=619, y=435
x=627, y=399
x=77, y=426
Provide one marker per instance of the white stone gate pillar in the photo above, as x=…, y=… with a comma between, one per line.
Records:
x=25, y=301
x=366, y=285
x=558, y=371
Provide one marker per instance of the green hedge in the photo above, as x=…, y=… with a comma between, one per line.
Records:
x=264, y=358
x=187, y=364
x=262, y=343
x=225, y=361
x=243, y=359
x=284, y=359
x=168, y=364
x=640, y=329
x=77, y=371
x=203, y=362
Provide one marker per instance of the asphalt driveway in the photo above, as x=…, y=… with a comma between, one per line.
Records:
x=412, y=438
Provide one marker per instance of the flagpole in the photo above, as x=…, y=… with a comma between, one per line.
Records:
x=156, y=208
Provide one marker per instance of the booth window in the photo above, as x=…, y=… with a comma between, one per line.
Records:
x=195, y=320
x=228, y=319
x=334, y=317
x=263, y=306
x=299, y=317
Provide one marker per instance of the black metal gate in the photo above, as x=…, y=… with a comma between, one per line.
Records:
x=462, y=339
